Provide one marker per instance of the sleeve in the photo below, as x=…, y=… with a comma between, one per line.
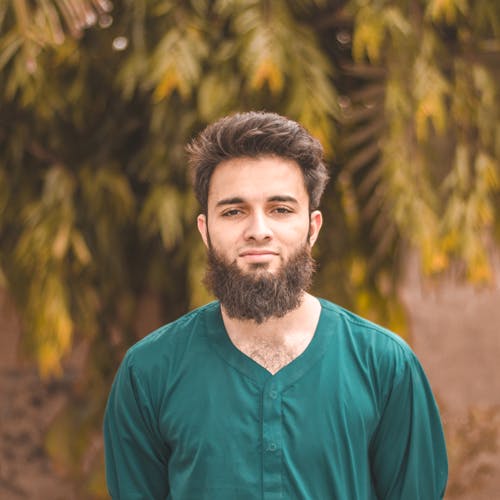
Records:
x=408, y=452
x=135, y=453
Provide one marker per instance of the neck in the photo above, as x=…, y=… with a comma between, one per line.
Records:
x=297, y=325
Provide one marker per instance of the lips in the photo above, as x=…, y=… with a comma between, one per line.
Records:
x=256, y=253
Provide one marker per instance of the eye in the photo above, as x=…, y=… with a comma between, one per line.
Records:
x=232, y=212
x=282, y=210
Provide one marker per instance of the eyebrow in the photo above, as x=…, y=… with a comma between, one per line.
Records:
x=237, y=200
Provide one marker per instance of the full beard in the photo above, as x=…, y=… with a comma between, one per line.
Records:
x=260, y=295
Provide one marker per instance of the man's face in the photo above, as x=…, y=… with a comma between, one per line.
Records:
x=258, y=213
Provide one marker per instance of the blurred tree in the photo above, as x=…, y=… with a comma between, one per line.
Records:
x=98, y=99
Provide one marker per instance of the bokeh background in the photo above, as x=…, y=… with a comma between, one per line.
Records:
x=98, y=244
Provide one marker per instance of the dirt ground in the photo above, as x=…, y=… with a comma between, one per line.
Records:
x=27, y=407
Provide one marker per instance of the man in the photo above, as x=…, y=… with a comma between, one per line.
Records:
x=269, y=393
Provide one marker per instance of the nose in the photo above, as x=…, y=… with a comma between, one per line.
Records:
x=257, y=228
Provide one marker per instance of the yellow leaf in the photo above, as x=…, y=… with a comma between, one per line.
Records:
x=450, y=240
x=168, y=84
x=357, y=271
x=49, y=361
x=64, y=330
x=479, y=269
x=434, y=259
x=61, y=241
x=80, y=248
x=319, y=125
x=446, y=10
x=364, y=303
x=162, y=213
x=369, y=35
x=268, y=72
x=487, y=169
x=51, y=323
x=430, y=110
x=397, y=320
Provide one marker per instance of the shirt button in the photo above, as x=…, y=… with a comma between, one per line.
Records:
x=272, y=447
x=273, y=394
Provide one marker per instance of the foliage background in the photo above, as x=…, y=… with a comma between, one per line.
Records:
x=97, y=101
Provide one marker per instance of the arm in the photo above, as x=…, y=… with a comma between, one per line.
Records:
x=136, y=455
x=408, y=453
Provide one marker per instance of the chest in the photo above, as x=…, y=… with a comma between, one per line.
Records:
x=221, y=414
x=228, y=430
x=272, y=358
x=270, y=355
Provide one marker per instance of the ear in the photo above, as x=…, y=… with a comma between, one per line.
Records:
x=201, y=222
x=316, y=221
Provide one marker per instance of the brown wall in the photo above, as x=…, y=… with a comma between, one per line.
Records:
x=456, y=335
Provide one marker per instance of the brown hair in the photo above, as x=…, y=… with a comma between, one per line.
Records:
x=254, y=134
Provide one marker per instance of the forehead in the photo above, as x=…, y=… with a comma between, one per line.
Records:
x=257, y=178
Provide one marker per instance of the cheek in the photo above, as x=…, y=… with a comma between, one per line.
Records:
x=297, y=235
x=221, y=240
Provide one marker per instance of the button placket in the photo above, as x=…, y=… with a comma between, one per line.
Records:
x=272, y=442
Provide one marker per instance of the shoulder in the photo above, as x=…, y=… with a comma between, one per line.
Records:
x=171, y=339
x=345, y=321
x=366, y=340
x=367, y=350
x=154, y=365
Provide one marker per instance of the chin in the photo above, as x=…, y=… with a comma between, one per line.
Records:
x=264, y=268
x=256, y=267
x=252, y=268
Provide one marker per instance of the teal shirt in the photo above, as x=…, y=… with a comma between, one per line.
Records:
x=190, y=417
